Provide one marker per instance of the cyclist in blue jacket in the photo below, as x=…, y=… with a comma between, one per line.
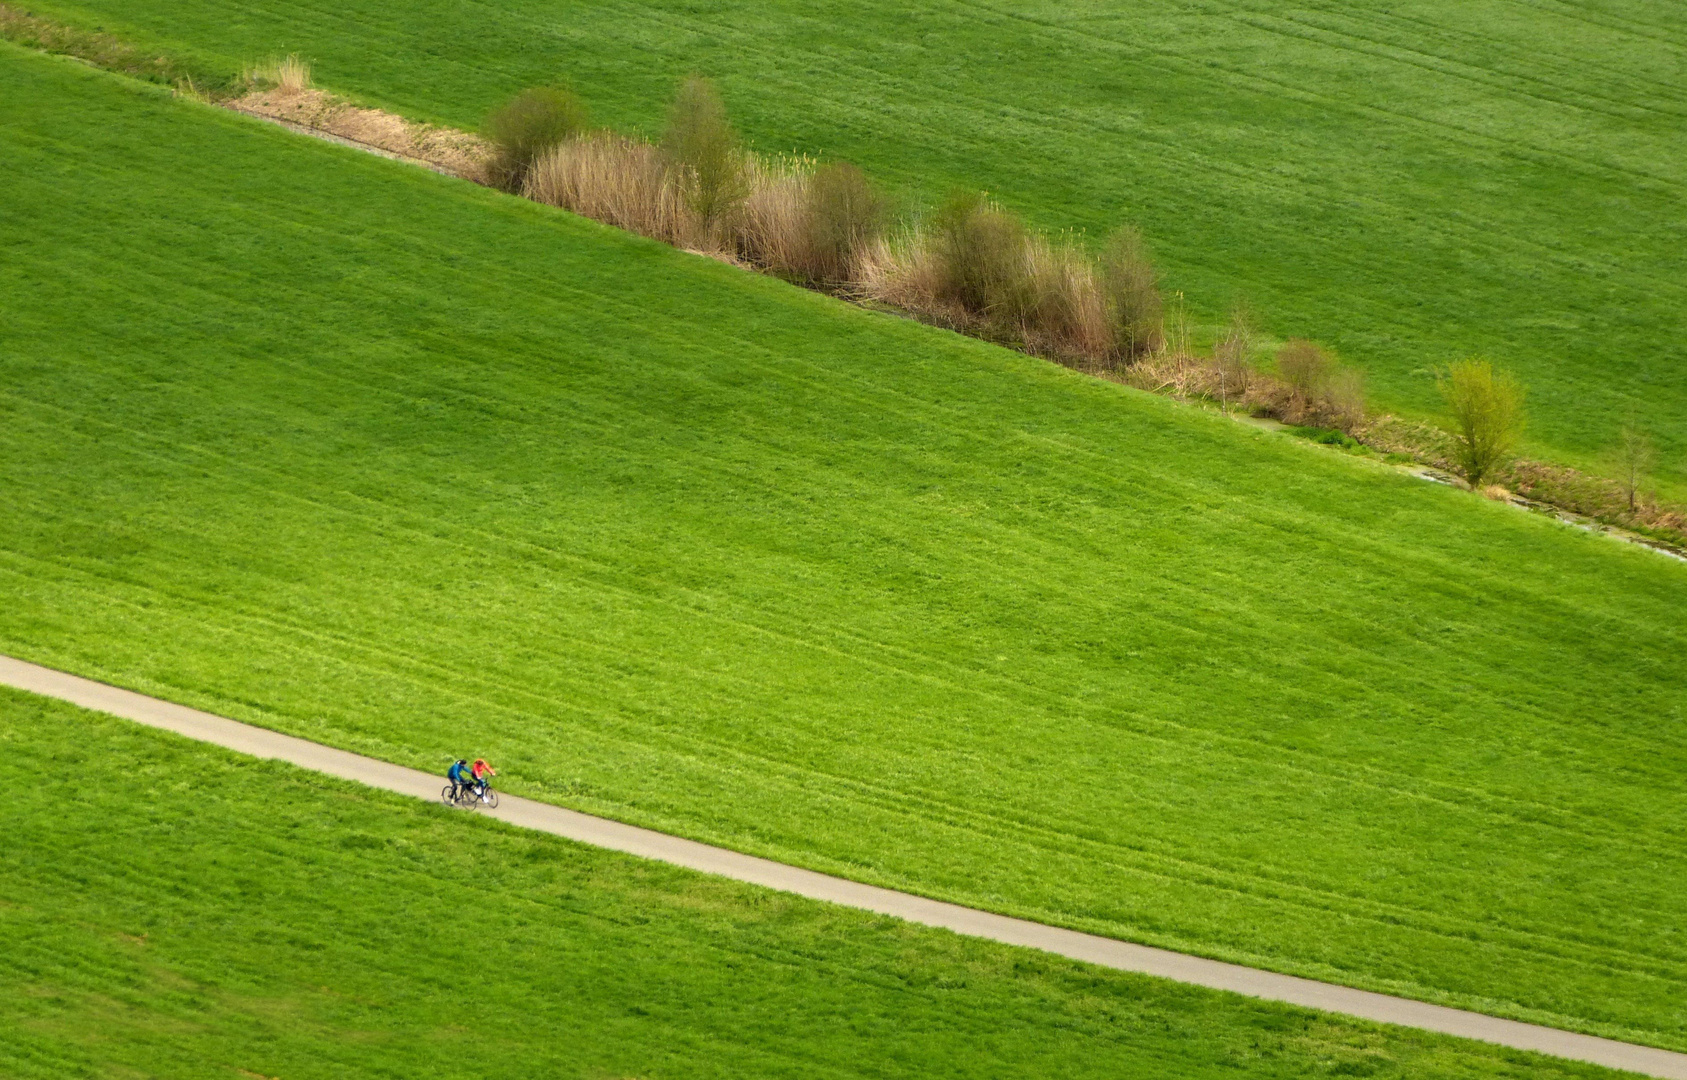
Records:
x=460, y=777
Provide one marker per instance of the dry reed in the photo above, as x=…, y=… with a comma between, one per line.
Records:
x=989, y=277
x=1067, y=315
x=769, y=228
x=903, y=271
x=616, y=180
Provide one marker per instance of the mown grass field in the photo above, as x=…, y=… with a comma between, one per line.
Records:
x=404, y=465
x=175, y=910
x=1410, y=182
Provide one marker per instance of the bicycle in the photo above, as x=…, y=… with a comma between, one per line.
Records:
x=468, y=796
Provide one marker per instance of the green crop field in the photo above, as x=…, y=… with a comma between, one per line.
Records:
x=174, y=910
x=1409, y=182
x=401, y=464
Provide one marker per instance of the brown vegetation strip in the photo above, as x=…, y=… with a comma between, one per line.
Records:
x=973, y=269
x=314, y=112
x=971, y=266
x=648, y=844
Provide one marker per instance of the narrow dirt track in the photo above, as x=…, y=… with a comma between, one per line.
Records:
x=645, y=843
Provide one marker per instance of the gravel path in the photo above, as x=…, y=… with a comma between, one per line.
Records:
x=645, y=843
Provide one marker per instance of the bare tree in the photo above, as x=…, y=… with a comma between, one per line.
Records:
x=1487, y=408
x=1635, y=457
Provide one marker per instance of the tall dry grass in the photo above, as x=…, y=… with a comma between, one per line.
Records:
x=1067, y=316
x=769, y=227
x=900, y=269
x=619, y=181
x=290, y=74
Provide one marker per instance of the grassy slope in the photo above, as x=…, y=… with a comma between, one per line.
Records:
x=184, y=912
x=390, y=461
x=1410, y=182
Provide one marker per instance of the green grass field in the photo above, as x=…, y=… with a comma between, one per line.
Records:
x=1410, y=182
x=170, y=909
x=394, y=462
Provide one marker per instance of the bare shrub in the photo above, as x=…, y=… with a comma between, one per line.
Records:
x=535, y=122
x=704, y=153
x=1232, y=356
x=843, y=217
x=976, y=268
x=1132, y=297
x=982, y=260
x=1634, y=457
x=1305, y=370
x=289, y=74
x=616, y=180
x=1317, y=388
x=1487, y=417
x=807, y=223
x=1344, y=399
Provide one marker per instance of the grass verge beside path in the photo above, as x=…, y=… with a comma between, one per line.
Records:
x=1408, y=183
x=177, y=910
x=386, y=460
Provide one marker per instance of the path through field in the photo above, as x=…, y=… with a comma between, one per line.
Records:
x=647, y=843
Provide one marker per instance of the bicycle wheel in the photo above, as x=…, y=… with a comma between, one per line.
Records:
x=490, y=799
x=448, y=795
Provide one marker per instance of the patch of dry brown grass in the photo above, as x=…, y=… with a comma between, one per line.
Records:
x=769, y=229
x=619, y=181
x=1067, y=314
x=289, y=74
x=447, y=149
x=979, y=271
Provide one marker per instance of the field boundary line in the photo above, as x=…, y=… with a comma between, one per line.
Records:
x=706, y=858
